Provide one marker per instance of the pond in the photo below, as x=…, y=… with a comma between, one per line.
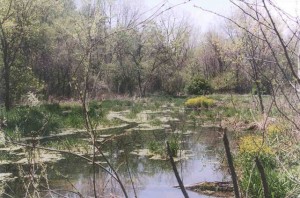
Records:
x=200, y=150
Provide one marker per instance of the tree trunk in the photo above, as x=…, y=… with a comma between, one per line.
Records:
x=185, y=194
x=7, y=99
x=231, y=166
x=259, y=93
x=263, y=178
x=140, y=85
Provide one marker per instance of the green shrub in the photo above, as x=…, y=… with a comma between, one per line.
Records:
x=159, y=148
x=198, y=86
x=32, y=121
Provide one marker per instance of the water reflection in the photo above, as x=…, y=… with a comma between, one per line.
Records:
x=151, y=178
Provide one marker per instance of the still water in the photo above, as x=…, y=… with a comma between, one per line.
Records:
x=151, y=178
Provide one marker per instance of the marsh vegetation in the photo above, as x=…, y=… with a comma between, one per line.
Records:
x=132, y=135
x=102, y=98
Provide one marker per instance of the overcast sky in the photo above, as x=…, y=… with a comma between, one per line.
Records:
x=201, y=19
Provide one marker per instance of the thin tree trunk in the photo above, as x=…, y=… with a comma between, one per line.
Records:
x=6, y=71
x=263, y=178
x=259, y=93
x=140, y=85
x=231, y=166
x=176, y=172
x=7, y=99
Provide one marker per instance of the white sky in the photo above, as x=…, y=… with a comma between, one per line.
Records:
x=205, y=20
x=201, y=19
x=198, y=17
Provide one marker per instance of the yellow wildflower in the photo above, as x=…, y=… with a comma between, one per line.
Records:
x=253, y=144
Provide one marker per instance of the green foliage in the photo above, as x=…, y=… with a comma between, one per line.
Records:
x=224, y=81
x=159, y=148
x=250, y=181
x=155, y=102
x=174, y=147
x=198, y=86
x=155, y=147
x=173, y=84
x=31, y=121
x=47, y=118
x=134, y=110
x=70, y=115
x=115, y=105
x=155, y=122
x=23, y=81
x=265, y=87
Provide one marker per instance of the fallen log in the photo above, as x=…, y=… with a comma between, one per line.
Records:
x=217, y=189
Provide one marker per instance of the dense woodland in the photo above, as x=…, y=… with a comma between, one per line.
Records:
x=53, y=49
x=60, y=61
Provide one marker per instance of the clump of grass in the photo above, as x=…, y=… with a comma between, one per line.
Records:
x=200, y=101
x=174, y=147
x=115, y=105
x=156, y=122
x=134, y=110
x=155, y=147
x=159, y=148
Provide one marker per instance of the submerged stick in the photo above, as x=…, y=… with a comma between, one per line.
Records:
x=130, y=176
x=113, y=170
x=231, y=166
x=176, y=172
x=263, y=178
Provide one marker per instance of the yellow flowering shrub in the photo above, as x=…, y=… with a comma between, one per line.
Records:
x=200, y=101
x=253, y=144
x=274, y=129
